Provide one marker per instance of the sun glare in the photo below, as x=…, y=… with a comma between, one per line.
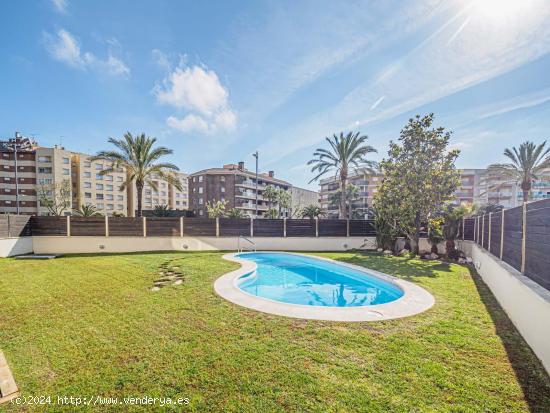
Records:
x=501, y=9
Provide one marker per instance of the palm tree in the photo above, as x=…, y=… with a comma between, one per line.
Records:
x=235, y=213
x=529, y=163
x=162, y=211
x=284, y=198
x=312, y=212
x=270, y=194
x=345, y=153
x=87, y=210
x=139, y=158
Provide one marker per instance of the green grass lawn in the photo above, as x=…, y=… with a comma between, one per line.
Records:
x=89, y=325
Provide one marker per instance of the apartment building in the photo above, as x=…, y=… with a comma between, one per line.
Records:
x=301, y=198
x=164, y=194
x=367, y=184
x=234, y=185
x=38, y=168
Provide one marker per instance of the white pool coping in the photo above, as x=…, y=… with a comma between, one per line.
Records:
x=415, y=299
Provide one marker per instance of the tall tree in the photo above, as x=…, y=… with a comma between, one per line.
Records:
x=216, y=209
x=528, y=163
x=346, y=153
x=284, y=199
x=312, y=212
x=419, y=177
x=138, y=156
x=56, y=198
x=270, y=194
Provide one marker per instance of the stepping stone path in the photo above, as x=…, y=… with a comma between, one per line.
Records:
x=169, y=275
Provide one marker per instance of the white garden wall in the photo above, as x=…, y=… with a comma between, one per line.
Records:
x=526, y=303
x=15, y=246
x=70, y=245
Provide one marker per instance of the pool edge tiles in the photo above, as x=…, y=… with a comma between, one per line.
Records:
x=414, y=300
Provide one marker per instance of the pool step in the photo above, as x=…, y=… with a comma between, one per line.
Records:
x=8, y=388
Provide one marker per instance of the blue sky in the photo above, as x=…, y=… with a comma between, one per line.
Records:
x=216, y=81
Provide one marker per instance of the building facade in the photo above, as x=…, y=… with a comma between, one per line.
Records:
x=301, y=198
x=39, y=169
x=367, y=185
x=234, y=185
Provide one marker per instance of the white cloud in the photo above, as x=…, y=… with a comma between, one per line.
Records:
x=199, y=92
x=60, y=5
x=64, y=47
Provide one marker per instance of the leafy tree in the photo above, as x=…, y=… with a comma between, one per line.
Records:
x=345, y=153
x=271, y=213
x=489, y=208
x=435, y=232
x=138, y=156
x=162, y=211
x=352, y=194
x=312, y=212
x=56, y=198
x=87, y=210
x=284, y=198
x=528, y=163
x=117, y=214
x=387, y=231
x=452, y=219
x=235, y=213
x=270, y=194
x=216, y=209
x=419, y=177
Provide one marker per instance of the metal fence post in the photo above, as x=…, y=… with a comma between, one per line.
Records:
x=9, y=226
x=106, y=226
x=217, y=227
x=181, y=227
x=523, y=237
x=251, y=227
x=144, y=226
x=475, y=229
x=316, y=226
x=347, y=227
x=463, y=226
x=284, y=227
x=502, y=235
x=482, y=230
x=489, y=241
x=68, y=225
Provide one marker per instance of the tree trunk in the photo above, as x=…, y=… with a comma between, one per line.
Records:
x=139, y=191
x=526, y=189
x=343, y=184
x=416, y=235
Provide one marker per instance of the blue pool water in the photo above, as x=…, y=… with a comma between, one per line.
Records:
x=298, y=279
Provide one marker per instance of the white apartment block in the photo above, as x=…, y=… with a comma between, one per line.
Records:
x=39, y=167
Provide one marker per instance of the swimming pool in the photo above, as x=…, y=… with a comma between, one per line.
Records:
x=298, y=279
x=303, y=286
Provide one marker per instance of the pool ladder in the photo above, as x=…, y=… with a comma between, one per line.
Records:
x=241, y=248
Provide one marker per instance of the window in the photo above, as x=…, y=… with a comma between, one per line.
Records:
x=148, y=192
x=98, y=166
x=45, y=159
x=109, y=187
x=45, y=181
x=99, y=196
x=200, y=201
x=120, y=197
x=43, y=170
x=99, y=186
x=222, y=178
x=87, y=194
x=163, y=193
x=5, y=155
x=109, y=197
x=222, y=199
x=87, y=175
x=194, y=179
x=222, y=189
x=200, y=190
x=119, y=207
x=66, y=171
x=110, y=206
x=99, y=177
x=177, y=202
x=66, y=161
x=201, y=212
x=100, y=205
x=200, y=178
x=87, y=184
x=87, y=164
x=163, y=185
x=109, y=178
x=119, y=179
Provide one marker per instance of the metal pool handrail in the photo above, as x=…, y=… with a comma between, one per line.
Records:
x=239, y=249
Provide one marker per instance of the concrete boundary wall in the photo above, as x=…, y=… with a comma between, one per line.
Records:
x=15, y=246
x=73, y=245
x=526, y=303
